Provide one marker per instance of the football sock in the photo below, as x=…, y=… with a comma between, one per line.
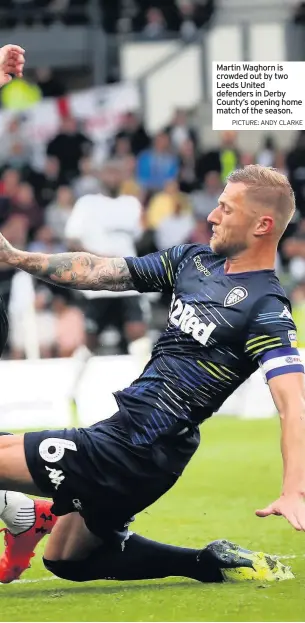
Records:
x=145, y=559
x=140, y=559
x=17, y=511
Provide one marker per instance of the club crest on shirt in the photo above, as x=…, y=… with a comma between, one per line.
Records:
x=236, y=295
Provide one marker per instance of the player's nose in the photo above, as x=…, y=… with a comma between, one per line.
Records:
x=214, y=216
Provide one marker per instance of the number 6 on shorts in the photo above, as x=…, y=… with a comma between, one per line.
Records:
x=58, y=447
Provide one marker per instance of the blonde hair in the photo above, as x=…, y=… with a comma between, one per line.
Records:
x=271, y=189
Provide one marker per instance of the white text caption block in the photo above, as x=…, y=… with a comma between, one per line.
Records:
x=258, y=95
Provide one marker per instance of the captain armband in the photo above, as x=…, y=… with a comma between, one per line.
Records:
x=281, y=361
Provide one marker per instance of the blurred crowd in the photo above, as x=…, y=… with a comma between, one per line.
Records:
x=168, y=176
x=151, y=19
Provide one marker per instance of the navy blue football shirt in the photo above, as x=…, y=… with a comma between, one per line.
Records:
x=221, y=327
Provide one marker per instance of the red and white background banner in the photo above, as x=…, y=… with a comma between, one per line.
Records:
x=100, y=111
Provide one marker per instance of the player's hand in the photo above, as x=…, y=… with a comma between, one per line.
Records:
x=11, y=62
x=292, y=507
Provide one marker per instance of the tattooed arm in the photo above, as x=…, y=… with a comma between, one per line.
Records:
x=81, y=271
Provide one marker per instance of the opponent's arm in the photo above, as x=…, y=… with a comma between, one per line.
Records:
x=288, y=393
x=81, y=271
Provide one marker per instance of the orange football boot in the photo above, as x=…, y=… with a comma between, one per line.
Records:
x=19, y=549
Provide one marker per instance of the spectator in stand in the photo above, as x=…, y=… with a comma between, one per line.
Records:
x=48, y=84
x=69, y=326
x=111, y=178
x=164, y=205
x=24, y=203
x=206, y=199
x=266, y=155
x=193, y=16
x=187, y=166
x=9, y=183
x=133, y=129
x=168, y=9
x=87, y=183
x=293, y=249
x=155, y=27
x=280, y=162
x=201, y=233
x=157, y=165
x=15, y=229
x=229, y=156
x=224, y=160
x=45, y=241
x=108, y=227
x=179, y=130
x=129, y=168
x=19, y=94
x=129, y=185
x=246, y=158
x=296, y=171
x=121, y=147
x=44, y=319
x=19, y=156
x=176, y=228
x=69, y=146
x=190, y=22
x=46, y=183
x=15, y=148
x=59, y=211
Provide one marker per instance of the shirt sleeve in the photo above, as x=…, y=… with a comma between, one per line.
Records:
x=272, y=339
x=156, y=272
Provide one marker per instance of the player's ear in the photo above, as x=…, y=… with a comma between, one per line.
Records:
x=264, y=225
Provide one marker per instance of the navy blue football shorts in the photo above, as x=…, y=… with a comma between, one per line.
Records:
x=98, y=472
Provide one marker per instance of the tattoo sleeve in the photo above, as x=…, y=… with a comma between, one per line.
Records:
x=81, y=271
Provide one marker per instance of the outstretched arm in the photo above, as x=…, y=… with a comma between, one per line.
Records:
x=81, y=271
x=289, y=397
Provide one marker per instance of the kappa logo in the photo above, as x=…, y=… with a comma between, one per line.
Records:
x=286, y=313
x=56, y=476
x=236, y=295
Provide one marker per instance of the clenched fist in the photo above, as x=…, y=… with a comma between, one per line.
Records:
x=11, y=62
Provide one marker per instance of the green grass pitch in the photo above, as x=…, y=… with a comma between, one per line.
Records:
x=236, y=470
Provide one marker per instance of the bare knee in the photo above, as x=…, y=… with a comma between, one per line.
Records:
x=70, y=540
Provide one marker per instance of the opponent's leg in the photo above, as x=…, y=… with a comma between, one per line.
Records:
x=73, y=553
x=27, y=522
x=17, y=509
x=14, y=472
